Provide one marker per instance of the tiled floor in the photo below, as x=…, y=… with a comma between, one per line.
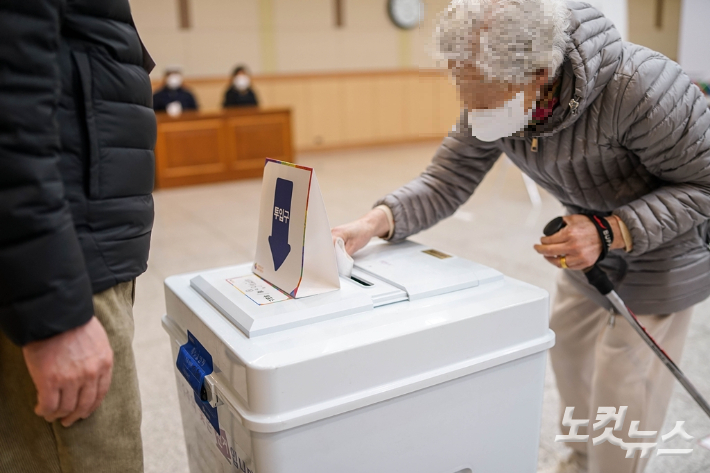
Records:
x=209, y=226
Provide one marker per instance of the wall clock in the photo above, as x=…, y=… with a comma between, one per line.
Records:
x=406, y=14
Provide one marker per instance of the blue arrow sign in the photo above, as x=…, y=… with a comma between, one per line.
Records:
x=278, y=241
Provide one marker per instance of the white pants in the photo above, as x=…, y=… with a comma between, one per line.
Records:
x=599, y=364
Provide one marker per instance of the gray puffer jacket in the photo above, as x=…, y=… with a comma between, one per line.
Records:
x=631, y=137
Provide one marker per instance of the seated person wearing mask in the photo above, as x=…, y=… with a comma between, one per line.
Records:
x=240, y=93
x=173, y=97
x=612, y=130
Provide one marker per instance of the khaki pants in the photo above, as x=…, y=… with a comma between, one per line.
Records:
x=599, y=364
x=108, y=441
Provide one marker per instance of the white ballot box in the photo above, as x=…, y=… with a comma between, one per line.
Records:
x=422, y=362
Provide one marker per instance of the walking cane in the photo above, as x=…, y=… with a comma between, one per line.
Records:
x=598, y=278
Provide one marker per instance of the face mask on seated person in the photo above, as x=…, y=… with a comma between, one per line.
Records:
x=173, y=81
x=501, y=122
x=242, y=82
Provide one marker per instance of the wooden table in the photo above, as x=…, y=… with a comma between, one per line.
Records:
x=203, y=147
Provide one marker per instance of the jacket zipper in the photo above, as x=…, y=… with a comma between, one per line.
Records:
x=574, y=104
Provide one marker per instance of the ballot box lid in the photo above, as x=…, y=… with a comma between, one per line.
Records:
x=241, y=297
x=383, y=274
x=421, y=271
x=364, y=344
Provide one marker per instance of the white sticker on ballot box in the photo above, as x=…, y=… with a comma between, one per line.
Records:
x=258, y=290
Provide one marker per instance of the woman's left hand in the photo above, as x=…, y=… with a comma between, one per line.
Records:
x=578, y=242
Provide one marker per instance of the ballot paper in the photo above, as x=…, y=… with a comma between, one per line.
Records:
x=344, y=260
x=294, y=249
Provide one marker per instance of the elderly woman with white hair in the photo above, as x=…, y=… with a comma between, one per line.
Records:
x=620, y=135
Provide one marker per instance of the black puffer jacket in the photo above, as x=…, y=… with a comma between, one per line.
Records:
x=77, y=132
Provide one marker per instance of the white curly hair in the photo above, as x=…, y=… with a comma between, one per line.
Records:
x=508, y=40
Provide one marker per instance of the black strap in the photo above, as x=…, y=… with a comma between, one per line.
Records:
x=598, y=278
x=605, y=234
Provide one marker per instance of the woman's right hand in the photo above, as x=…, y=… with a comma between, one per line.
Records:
x=358, y=233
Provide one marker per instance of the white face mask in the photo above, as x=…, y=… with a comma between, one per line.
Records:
x=173, y=81
x=242, y=82
x=491, y=125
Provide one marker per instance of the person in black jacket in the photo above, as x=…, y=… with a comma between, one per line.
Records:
x=77, y=131
x=173, y=97
x=239, y=93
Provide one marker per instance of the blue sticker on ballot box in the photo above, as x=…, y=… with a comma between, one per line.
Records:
x=194, y=363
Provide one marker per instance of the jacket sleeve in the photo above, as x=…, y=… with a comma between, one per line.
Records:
x=44, y=286
x=458, y=166
x=664, y=119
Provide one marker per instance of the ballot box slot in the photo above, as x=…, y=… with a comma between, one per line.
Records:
x=380, y=292
x=361, y=281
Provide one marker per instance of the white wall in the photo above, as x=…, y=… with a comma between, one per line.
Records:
x=300, y=35
x=694, y=41
x=275, y=36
